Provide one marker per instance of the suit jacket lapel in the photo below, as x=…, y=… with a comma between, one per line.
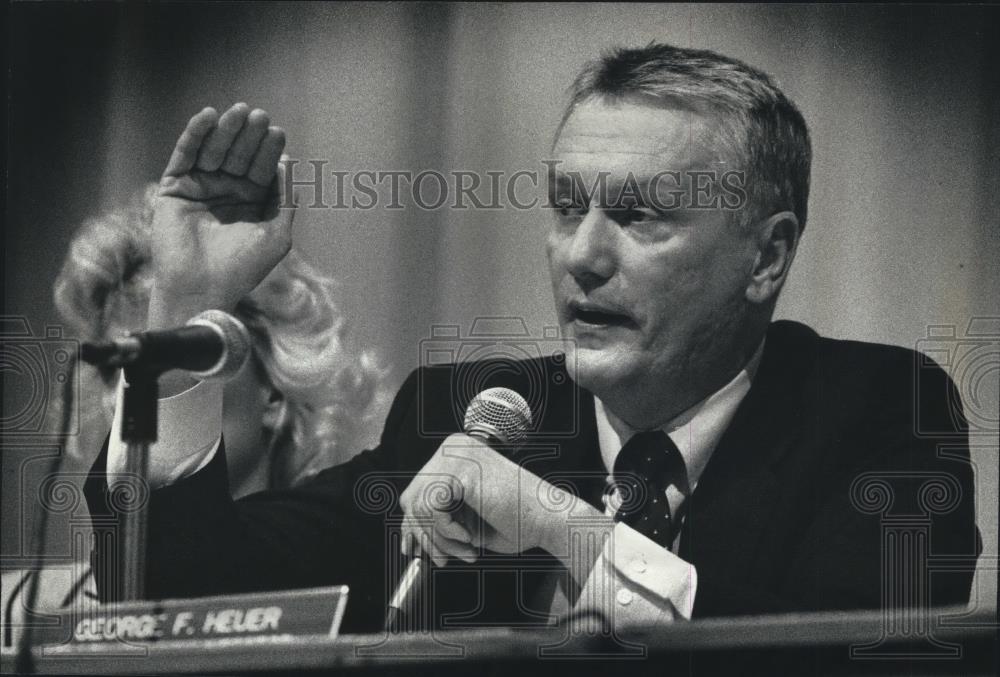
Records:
x=738, y=490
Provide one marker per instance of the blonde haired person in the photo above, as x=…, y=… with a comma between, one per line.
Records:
x=317, y=401
x=302, y=403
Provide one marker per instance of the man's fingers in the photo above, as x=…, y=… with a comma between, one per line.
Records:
x=279, y=186
x=265, y=161
x=491, y=539
x=417, y=539
x=462, y=551
x=185, y=153
x=220, y=140
x=408, y=542
x=240, y=142
x=280, y=211
x=437, y=534
x=450, y=529
x=457, y=549
x=437, y=555
x=245, y=145
x=453, y=539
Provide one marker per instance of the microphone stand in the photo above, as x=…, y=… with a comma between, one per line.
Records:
x=25, y=661
x=138, y=432
x=217, y=351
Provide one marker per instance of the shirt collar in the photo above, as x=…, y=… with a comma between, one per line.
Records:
x=696, y=431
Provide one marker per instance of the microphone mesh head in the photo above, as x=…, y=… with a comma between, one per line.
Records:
x=500, y=413
x=235, y=338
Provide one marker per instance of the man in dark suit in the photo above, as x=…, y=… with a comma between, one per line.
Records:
x=691, y=457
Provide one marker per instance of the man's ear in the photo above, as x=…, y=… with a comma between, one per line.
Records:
x=777, y=238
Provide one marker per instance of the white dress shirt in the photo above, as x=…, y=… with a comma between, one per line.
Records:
x=635, y=580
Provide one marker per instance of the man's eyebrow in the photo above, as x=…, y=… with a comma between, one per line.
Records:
x=616, y=192
x=664, y=178
x=612, y=149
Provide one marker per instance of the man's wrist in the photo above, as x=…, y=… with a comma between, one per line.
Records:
x=575, y=533
x=586, y=539
x=169, y=309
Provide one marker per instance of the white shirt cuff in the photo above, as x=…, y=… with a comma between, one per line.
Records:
x=190, y=425
x=637, y=581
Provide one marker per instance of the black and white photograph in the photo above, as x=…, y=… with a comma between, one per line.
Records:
x=471, y=338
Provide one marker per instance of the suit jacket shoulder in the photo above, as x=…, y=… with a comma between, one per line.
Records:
x=788, y=505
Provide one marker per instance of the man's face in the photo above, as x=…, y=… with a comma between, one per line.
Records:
x=649, y=288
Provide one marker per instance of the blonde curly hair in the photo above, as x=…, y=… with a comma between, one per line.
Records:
x=333, y=398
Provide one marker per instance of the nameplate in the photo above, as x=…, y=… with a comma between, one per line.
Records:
x=291, y=613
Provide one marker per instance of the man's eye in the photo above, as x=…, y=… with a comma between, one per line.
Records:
x=642, y=215
x=626, y=216
x=567, y=209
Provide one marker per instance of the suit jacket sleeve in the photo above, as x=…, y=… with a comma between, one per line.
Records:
x=325, y=532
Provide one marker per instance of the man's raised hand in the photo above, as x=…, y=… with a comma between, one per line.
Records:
x=219, y=225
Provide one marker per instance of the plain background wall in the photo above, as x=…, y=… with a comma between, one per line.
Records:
x=902, y=104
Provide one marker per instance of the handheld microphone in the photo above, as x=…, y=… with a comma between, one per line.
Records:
x=499, y=417
x=213, y=345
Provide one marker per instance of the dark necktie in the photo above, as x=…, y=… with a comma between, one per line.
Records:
x=648, y=464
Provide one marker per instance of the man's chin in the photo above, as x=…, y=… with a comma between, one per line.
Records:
x=595, y=370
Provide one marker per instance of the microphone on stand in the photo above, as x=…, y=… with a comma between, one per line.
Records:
x=497, y=416
x=213, y=345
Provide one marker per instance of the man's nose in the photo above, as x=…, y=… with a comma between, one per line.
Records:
x=591, y=257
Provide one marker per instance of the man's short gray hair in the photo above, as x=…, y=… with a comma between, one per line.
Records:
x=765, y=131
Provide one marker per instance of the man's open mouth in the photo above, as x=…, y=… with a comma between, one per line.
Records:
x=593, y=314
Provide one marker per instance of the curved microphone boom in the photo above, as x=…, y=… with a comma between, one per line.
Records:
x=499, y=417
x=212, y=345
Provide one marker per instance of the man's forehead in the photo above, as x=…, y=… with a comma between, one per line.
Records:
x=627, y=133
